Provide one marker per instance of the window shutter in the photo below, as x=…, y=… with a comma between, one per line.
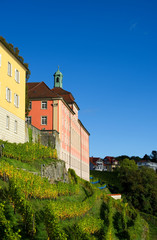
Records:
x=6, y=94
x=8, y=67
x=0, y=60
x=11, y=70
x=10, y=95
x=18, y=101
x=15, y=75
x=15, y=99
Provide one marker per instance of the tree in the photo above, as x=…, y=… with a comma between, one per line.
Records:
x=139, y=186
x=153, y=156
x=127, y=164
x=146, y=157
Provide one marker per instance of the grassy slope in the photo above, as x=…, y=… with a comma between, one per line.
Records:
x=111, y=178
x=30, y=157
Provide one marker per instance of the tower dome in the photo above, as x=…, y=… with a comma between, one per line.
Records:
x=58, y=77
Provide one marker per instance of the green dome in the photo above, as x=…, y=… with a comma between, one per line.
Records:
x=58, y=77
x=58, y=73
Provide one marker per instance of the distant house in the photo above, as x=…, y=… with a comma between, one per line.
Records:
x=100, y=165
x=111, y=163
x=103, y=164
x=149, y=164
x=93, y=161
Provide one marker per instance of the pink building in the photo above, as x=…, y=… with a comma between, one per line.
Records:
x=56, y=109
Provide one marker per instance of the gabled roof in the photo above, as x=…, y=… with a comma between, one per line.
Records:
x=40, y=90
x=67, y=96
x=94, y=159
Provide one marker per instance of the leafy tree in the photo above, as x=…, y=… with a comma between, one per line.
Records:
x=153, y=156
x=146, y=157
x=122, y=157
x=139, y=186
x=136, y=158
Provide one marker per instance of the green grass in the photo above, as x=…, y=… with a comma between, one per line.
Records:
x=21, y=165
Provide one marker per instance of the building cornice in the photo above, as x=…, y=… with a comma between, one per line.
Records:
x=7, y=47
x=81, y=124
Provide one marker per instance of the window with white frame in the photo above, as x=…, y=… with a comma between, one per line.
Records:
x=9, y=69
x=8, y=94
x=16, y=100
x=44, y=105
x=17, y=76
x=15, y=126
x=44, y=120
x=30, y=105
x=7, y=122
x=0, y=59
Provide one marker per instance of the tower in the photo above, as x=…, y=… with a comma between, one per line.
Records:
x=58, y=76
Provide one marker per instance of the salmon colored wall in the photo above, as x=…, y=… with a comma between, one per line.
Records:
x=85, y=146
x=36, y=112
x=77, y=151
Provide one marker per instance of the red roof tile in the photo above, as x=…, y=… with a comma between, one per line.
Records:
x=67, y=96
x=40, y=90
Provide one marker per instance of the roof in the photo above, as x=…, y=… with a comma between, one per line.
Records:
x=94, y=159
x=40, y=90
x=67, y=96
x=110, y=159
x=58, y=73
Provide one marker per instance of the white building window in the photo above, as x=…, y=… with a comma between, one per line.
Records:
x=8, y=94
x=17, y=76
x=16, y=100
x=7, y=122
x=44, y=120
x=29, y=120
x=9, y=69
x=44, y=105
x=15, y=126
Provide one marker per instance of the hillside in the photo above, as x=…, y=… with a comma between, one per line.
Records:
x=32, y=208
x=113, y=183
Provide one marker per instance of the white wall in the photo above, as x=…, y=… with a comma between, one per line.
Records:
x=9, y=134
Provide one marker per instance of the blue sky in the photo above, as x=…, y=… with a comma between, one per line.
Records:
x=107, y=52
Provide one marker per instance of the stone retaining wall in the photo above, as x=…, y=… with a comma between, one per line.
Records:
x=46, y=138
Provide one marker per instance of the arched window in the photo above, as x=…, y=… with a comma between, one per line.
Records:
x=57, y=80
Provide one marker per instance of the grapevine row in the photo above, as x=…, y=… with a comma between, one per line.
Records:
x=35, y=186
x=6, y=227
